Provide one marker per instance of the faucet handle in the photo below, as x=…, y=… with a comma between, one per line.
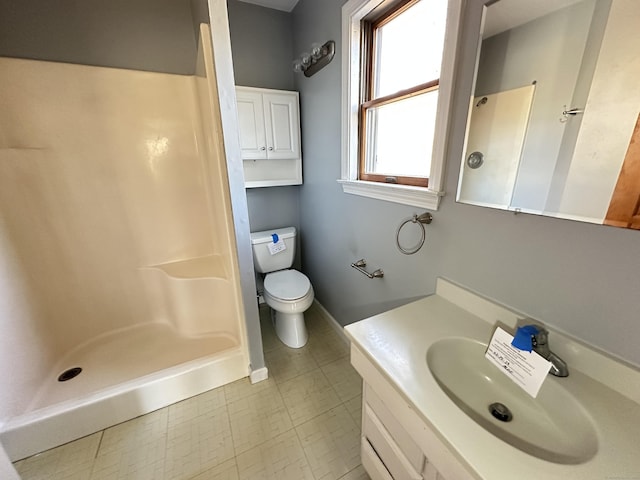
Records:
x=524, y=339
x=540, y=338
x=536, y=337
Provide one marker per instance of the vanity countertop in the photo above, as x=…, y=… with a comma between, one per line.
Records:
x=396, y=342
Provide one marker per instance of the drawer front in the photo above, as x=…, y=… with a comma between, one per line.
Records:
x=372, y=464
x=430, y=473
x=411, y=451
x=386, y=448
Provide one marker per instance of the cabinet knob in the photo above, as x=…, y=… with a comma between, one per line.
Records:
x=262, y=148
x=270, y=148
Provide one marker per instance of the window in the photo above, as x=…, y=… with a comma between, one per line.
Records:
x=402, y=51
x=396, y=97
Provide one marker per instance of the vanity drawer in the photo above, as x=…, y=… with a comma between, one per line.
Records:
x=409, y=448
x=372, y=464
x=430, y=473
x=387, y=450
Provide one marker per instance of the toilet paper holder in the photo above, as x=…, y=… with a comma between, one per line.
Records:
x=360, y=266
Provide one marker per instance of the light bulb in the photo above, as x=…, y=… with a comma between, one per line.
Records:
x=297, y=66
x=305, y=58
x=316, y=51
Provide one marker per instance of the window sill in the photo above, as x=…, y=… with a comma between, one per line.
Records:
x=403, y=194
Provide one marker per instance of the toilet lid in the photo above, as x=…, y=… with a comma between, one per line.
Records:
x=287, y=284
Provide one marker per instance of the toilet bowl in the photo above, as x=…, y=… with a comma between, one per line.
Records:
x=286, y=291
x=289, y=293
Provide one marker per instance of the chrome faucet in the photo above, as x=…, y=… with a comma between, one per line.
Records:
x=540, y=344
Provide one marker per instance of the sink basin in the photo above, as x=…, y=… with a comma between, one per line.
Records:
x=554, y=426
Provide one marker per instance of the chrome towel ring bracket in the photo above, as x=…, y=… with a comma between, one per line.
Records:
x=421, y=220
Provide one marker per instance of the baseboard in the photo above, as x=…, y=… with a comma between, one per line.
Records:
x=332, y=322
x=258, y=375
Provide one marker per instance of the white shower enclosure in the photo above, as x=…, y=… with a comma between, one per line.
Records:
x=117, y=247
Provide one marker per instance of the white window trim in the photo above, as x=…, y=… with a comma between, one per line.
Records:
x=352, y=13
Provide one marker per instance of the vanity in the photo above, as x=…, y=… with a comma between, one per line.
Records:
x=427, y=388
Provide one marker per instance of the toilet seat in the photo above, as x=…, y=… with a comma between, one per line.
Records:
x=287, y=285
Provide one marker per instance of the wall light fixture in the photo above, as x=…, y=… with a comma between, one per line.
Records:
x=314, y=60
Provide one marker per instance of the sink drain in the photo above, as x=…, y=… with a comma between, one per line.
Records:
x=69, y=374
x=501, y=412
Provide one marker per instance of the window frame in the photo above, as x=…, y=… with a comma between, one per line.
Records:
x=353, y=12
x=362, y=140
x=368, y=45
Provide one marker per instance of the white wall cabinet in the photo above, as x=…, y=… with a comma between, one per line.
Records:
x=269, y=124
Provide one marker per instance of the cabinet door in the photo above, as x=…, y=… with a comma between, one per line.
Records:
x=282, y=122
x=253, y=143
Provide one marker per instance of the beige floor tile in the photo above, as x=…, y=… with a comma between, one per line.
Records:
x=285, y=363
x=243, y=388
x=358, y=473
x=196, y=406
x=316, y=321
x=343, y=378
x=331, y=442
x=354, y=406
x=72, y=461
x=258, y=418
x=133, y=450
x=198, y=436
x=307, y=396
x=225, y=471
x=326, y=347
x=279, y=459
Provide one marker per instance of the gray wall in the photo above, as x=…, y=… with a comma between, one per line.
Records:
x=261, y=44
x=153, y=35
x=338, y=228
x=578, y=277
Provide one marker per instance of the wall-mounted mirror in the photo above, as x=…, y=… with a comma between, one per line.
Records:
x=554, y=120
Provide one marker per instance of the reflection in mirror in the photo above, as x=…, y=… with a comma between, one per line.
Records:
x=553, y=123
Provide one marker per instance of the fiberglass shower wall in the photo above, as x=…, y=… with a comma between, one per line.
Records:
x=101, y=175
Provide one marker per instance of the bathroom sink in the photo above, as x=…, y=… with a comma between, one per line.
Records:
x=553, y=426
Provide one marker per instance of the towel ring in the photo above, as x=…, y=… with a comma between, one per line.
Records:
x=421, y=220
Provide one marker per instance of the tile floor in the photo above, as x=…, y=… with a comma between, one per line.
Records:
x=302, y=423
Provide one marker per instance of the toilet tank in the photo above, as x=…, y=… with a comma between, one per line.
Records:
x=263, y=260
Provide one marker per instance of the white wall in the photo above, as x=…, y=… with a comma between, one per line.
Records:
x=22, y=348
x=610, y=116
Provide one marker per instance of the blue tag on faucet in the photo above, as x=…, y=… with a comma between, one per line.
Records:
x=274, y=237
x=522, y=338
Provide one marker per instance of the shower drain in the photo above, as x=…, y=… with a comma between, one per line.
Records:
x=69, y=374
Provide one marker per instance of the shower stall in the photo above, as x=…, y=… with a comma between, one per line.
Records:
x=119, y=281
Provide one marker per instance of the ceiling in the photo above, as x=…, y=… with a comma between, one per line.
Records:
x=284, y=5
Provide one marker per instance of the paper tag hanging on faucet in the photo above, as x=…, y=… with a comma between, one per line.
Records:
x=527, y=369
x=277, y=245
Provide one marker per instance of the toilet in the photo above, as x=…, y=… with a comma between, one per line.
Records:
x=288, y=292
